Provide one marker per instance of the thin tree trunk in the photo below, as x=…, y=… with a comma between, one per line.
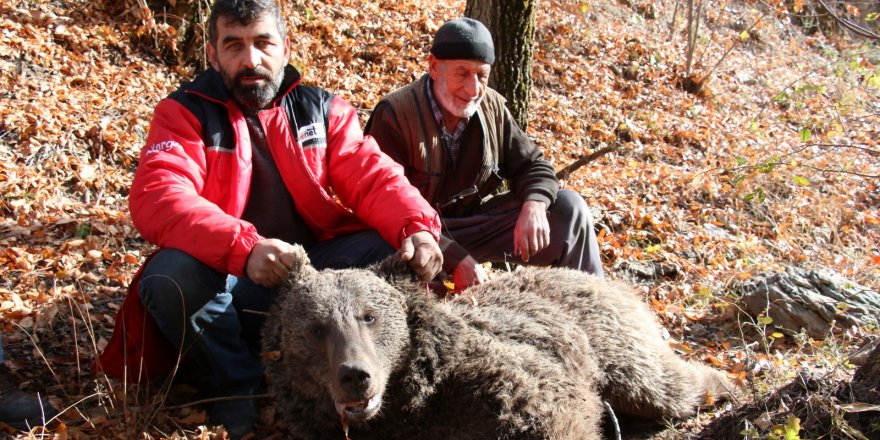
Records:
x=512, y=24
x=182, y=42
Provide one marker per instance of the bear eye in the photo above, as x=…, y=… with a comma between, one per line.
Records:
x=369, y=318
x=318, y=331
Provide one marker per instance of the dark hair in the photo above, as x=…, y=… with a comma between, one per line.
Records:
x=244, y=12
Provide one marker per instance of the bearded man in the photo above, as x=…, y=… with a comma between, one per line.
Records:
x=239, y=165
x=458, y=144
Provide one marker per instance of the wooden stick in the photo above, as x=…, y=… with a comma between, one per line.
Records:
x=583, y=160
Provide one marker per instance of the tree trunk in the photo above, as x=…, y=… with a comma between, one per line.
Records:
x=512, y=24
x=172, y=30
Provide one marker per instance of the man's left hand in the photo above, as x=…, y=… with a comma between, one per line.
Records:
x=532, y=231
x=423, y=254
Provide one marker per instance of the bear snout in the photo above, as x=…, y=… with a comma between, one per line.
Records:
x=354, y=379
x=357, y=400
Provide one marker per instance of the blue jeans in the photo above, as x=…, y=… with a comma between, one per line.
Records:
x=215, y=318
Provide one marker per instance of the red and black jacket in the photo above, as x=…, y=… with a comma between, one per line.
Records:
x=194, y=176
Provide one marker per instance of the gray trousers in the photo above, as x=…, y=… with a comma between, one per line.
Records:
x=488, y=236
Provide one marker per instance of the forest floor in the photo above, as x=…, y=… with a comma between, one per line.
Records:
x=774, y=163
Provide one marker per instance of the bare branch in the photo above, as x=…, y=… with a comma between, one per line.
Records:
x=708, y=75
x=841, y=171
x=674, y=17
x=583, y=160
x=871, y=151
x=858, y=30
x=778, y=163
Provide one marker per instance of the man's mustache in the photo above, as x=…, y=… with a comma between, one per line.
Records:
x=258, y=72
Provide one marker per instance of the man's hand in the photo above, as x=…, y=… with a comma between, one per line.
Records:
x=423, y=254
x=269, y=261
x=468, y=273
x=532, y=231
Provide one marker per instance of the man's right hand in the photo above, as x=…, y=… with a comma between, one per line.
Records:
x=469, y=272
x=423, y=254
x=269, y=261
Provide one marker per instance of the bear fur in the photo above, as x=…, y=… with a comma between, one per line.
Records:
x=528, y=355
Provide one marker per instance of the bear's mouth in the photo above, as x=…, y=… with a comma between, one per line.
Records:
x=359, y=410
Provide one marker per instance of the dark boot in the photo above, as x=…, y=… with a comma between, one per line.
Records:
x=20, y=410
x=237, y=416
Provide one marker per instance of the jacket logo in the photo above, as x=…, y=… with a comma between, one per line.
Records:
x=313, y=135
x=163, y=147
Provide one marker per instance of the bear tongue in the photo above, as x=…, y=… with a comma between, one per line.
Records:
x=352, y=406
x=357, y=410
x=351, y=410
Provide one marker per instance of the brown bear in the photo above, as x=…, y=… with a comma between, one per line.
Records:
x=527, y=355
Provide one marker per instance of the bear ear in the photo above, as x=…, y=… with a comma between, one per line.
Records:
x=301, y=266
x=392, y=268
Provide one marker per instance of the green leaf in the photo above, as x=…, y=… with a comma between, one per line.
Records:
x=744, y=36
x=83, y=230
x=749, y=432
x=872, y=16
x=770, y=165
x=584, y=8
x=874, y=81
x=766, y=320
x=741, y=161
x=800, y=180
x=652, y=249
x=792, y=428
x=805, y=134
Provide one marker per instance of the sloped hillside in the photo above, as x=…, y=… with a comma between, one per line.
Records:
x=773, y=163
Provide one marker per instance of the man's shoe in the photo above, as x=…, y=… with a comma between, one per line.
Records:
x=20, y=410
x=237, y=416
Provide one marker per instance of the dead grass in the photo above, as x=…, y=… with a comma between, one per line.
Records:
x=675, y=194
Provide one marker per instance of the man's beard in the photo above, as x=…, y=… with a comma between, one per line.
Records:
x=254, y=97
x=448, y=102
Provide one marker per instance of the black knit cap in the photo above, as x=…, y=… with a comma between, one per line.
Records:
x=463, y=39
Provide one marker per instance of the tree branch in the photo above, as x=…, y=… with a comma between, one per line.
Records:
x=858, y=30
x=852, y=173
x=871, y=151
x=708, y=74
x=583, y=160
x=809, y=167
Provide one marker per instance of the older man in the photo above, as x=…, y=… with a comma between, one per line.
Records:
x=239, y=165
x=458, y=144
